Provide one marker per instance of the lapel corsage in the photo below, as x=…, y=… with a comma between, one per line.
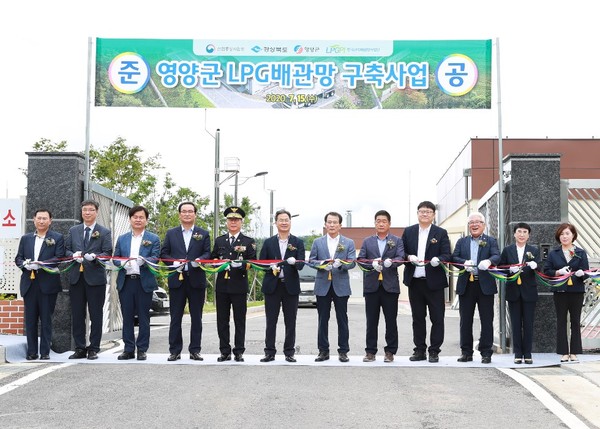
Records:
x=197, y=236
x=146, y=243
x=291, y=248
x=482, y=243
x=95, y=234
x=391, y=243
x=572, y=253
x=239, y=249
x=529, y=256
x=50, y=242
x=340, y=248
x=433, y=240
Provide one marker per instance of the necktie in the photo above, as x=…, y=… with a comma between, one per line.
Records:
x=86, y=238
x=231, y=239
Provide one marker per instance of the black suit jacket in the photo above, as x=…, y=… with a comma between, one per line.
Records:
x=438, y=244
x=527, y=290
x=487, y=250
x=100, y=244
x=244, y=248
x=174, y=248
x=556, y=260
x=270, y=251
x=49, y=253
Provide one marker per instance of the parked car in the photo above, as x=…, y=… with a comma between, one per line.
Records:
x=307, y=287
x=160, y=302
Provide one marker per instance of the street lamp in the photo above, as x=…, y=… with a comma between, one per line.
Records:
x=272, y=213
x=235, y=195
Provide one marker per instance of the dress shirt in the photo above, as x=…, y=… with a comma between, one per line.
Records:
x=134, y=251
x=282, y=249
x=332, y=244
x=37, y=247
x=423, y=235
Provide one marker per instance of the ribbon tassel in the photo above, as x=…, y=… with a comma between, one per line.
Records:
x=180, y=276
x=471, y=278
x=380, y=278
x=226, y=274
x=329, y=276
x=32, y=275
x=519, y=280
x=81, y=268
x=570, y=282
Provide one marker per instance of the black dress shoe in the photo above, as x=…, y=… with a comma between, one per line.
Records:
x=195, y=356
x=268, y=358
x=343, y=357
x=465, y=358
x=92, y=355
x=174, y=356
x=45, y=357
x=434, y=357
x=486, y=359
x=126, y=356
x=141, y=355
x=224, y=357
x=417, y=356
x=32, y=357
x=290, y=359
x=239, y=357
x=322, y=357
x=79, y=354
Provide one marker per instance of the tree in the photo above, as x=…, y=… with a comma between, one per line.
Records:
x=45, y=145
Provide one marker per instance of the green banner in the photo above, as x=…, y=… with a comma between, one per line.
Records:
x=420, y=74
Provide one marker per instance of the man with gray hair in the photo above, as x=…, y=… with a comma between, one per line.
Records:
x=474, y=254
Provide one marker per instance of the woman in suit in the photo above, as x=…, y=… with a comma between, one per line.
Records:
x=568, y=298
x=521, y=292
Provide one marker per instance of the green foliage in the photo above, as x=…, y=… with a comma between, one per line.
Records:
x=344, y=103
x=45, y=145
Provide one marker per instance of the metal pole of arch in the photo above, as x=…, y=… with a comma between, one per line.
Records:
x=502, y=294
x=86, y=175
x=216, y=199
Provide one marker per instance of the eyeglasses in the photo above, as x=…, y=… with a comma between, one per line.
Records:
x=475, y=222
x=187, y=211
x=425, y=212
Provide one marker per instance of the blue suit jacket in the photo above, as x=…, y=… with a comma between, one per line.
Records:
x=438, y=244
x=270, y=250
x=174, y=248
x=527, y=290
x=150, y=252
x=49, y=283
x=462, y=253
x=556, y=260
x=340, y=279
x=370, y=251
x=101, y=244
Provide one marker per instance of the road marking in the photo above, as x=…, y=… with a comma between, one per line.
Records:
x=567, y=417
x=31, y=377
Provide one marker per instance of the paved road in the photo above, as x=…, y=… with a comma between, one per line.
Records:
x=265, y=396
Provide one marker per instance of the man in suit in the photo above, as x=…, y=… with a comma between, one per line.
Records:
x=426, y=242
x=232, y=284
x=380, y=256
x=135, y=281
x=281, y=285
x=186, y=243
x=521, y=293
x=475, y=286
x=86, y=243
x=40, y=288
x=333, y=255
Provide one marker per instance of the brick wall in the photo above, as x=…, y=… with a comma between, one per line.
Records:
x=11, y=317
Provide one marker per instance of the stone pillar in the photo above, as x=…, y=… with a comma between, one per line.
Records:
x=533, y=196
x=55, y=182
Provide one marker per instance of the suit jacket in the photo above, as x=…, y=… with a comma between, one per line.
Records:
x=150, y=252
x=394, y=250
x=174, y=248
x=244, y=248
x=49, y=283
x=438, y=244
x=340, y=279
x=556, y=260
x=270, y=250
x=527, y=290
x=100, y=244
x=462, y=253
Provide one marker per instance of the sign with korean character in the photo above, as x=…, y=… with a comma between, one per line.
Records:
x=289, y=74
x=11, y=214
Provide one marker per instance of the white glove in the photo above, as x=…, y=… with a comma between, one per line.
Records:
x=484, y=265
x=291, y=260
x=175, y=264
x=532, y=265
x=328, y=267
x=140, y=261
x=579, y=273
x=227, y=268
x=77, y=257
x=413, y=259
x=514, y=269
x=27, y=264
x=387, y=262
x=435, y=261
x=34, y=266
x=274, y=267
x=376, y=265
x=563, y=271
x=89, y=256
x=236, y=264
x=337, y=263
x=468, y=264
x=195, y=263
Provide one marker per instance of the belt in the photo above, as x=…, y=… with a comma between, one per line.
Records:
x=280, y=280
x=132, y=276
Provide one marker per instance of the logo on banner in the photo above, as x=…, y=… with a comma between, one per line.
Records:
x=456, y=75
x=129, y=73
x=210, y=48
x=298, y=49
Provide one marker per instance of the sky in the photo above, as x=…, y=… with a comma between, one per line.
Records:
x=317, y=160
